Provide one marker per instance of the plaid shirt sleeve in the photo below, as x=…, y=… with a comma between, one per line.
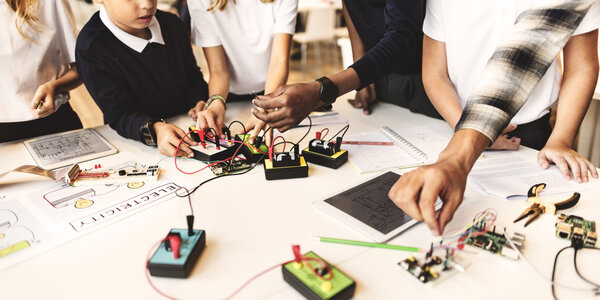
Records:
x=518, y=64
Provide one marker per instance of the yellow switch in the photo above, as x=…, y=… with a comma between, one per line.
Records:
x=326, y=286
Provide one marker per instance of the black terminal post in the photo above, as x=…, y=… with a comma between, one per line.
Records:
x=258, y=141
x=190, y=222
x=338, y=143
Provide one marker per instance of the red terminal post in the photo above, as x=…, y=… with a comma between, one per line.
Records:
x=202, y=141
x=175, y=242
x=271, y=153
x=318, y=135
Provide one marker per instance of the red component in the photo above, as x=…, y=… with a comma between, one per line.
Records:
x=201, y=135
x=461, y=242
x=175, y=242
x=318, y=135
x=99, y=166
x=297, y=255
x=271, y=153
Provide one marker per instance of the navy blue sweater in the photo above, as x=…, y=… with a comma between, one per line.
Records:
x=400, y=48
x=132, y=88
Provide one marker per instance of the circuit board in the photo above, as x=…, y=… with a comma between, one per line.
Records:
x=496, y=243
x=570, y=227
x=224, y=168
x=434, y=267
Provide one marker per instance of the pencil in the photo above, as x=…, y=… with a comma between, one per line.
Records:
x=368, y=244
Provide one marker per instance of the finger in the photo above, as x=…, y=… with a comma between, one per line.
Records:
x=268, y=103
x=574, y=166
x=201, y=122
x=562, y=165
x=405, y=196
x=353, y=103
x=188, y=140
x=429, y=195
x=367, y=110
x=583, y=169
x=543, y=160
x=269, y=117
x=201, y=105
x=269, y=135
x=254, y=134
x=212, y=123
x=192, y=113
x=449, y=208
x=510, y=127
x=592, y=168
x=283, y=125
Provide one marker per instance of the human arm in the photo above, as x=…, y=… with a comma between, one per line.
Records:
x=443, y=96
x=366, y=97
x=502, y=89
x=119, y=106
x=579, y=80
x=416, y=191
x=277, y=75
x=398, y=50
x=44, y=95
x=213, y=115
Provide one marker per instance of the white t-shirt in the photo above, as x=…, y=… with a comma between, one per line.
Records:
x=24, y=65
x=245, y=29
x=471, y=29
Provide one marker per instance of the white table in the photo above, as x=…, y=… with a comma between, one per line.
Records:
x=251, y=224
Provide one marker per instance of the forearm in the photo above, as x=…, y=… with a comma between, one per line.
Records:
x=464, y=148
x=277, y=75
x=443, y=96
x=218, y=84
x=358, y=48
x=68, y=81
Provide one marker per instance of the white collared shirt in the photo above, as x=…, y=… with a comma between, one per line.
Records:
x=132, y=41
x=24, y=65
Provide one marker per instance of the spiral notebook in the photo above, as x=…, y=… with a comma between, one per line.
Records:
x=413, y=146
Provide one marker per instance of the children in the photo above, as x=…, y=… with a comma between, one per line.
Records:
x=37, y=54
x=461, y=35
x=138, y=65
x=247, y=45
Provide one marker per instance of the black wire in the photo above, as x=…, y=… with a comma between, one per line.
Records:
x=307, y=132
x=346, y=130
x=577, y=270
x=188, y=196
x=554, y=270
x=213, y=178
x=236, y=121
x=285, y=142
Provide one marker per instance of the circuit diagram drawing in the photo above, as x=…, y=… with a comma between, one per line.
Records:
x=14, y=237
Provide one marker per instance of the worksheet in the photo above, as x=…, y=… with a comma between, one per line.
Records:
x=509, y=174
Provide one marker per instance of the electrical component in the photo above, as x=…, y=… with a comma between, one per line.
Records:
x=316, y=279
x=494, y=242
x=211, y=148
x=177, y=253
x=575, y=227
x=137, y=173
x=285, y=165
x=324, y=153
x=434, y=267
x=224, y=168
x=255, y=152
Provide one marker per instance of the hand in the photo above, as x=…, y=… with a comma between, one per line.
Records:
x=566, y=159
x=504, y=142
x=288, y=105
x=167, y=139
x=211, y=117
x=44, y=94
x=194, y=111
x=365, y=99
x=417, y=191
x=256, y=126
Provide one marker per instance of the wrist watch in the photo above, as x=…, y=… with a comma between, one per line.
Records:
x=148, y=134
x=329, y=92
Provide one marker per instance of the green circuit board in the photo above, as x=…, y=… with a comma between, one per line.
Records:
x=571, y=226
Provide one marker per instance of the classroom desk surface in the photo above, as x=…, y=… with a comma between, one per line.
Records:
x=251, y=224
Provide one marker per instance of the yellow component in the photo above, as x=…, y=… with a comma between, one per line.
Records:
x=2, y=235
x=433, y=274
x=14, y=248
x=411, y=258
x=297, y=265
x=135, y=185
x=326, y=286
x=83, y=203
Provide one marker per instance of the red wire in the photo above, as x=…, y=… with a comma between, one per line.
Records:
x=279, y=136
x=147, y=272
x=230, y=158
x=323, y=135
x=253, y=278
